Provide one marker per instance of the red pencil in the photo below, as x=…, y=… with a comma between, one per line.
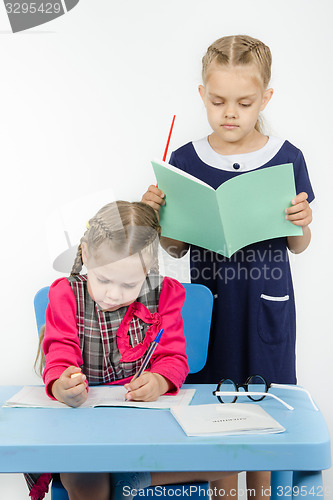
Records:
x=168, y=141
x=169, y=137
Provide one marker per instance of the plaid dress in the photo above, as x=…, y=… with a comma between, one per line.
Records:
x=113, y=343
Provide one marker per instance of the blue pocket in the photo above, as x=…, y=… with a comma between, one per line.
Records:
x=273, y=318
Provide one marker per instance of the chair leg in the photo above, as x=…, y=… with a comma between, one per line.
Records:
x=58, y=492
x=297, y=484
x=308, y=483
x=281, y=485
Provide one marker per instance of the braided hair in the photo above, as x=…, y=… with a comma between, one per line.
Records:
x=127, y=228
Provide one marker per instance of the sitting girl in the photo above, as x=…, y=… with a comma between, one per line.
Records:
x=98, y=327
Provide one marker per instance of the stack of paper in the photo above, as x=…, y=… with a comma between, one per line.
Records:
x=224, y=419
x=103, y=395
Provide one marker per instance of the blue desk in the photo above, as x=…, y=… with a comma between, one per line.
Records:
x=127, y=439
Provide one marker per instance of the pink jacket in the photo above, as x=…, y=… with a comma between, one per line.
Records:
x=61, y=343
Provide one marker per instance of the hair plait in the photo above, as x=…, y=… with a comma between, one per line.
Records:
x=132, y=227
x=77, y=265
x=239, y=50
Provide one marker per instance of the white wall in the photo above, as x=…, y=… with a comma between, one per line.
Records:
x=87, y=100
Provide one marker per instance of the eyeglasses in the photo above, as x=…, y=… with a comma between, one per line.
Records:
x=255, y=388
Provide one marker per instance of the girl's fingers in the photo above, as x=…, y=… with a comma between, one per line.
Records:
x=77, y=401
x=301, y=219
x=154, y=205
x=72, y=398
x=302, y=222
x=70, y=371
x=300, y=213
x=297, y=208
x=303, y=214
x=153, y=198
x=70, y=382
x=153, y=191
x=136, y=384
x=299, y=198
x=143, y=388
x=142, y=394
x=77, y=390
x=156, y=191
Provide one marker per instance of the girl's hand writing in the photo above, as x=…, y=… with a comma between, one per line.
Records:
x=148, y=387
x=154, y=197
x=300, y=213
x=70, y=390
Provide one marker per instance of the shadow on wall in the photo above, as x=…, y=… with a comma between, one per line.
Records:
x=66, y=225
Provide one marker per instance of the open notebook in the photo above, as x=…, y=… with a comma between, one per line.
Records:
x=243, y=210
x=225, y=419
x=103, y=395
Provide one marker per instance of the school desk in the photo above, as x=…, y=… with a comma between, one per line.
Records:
x=128, y=439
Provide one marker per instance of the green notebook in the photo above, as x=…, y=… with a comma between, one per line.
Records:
x=243, y=210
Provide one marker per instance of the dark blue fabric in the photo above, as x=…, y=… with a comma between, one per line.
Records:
x=249, y=334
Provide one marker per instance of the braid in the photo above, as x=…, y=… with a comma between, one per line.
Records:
x=256, y=51
x=98, y=220
x=249, y=43
x=155, y=268
x=128, y=228
x=40, y=357
x=77, y=266
x=218, y=54
x=239, y=50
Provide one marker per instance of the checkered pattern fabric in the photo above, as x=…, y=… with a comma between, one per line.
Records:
x=99, y=336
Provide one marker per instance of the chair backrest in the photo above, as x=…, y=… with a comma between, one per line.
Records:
x=196, y=312
x=197, y=316
x=40, y=304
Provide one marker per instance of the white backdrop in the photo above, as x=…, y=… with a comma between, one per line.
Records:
x=87, y=100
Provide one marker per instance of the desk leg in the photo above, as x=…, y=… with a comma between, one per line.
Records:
x=281, y=485
x=308, y=484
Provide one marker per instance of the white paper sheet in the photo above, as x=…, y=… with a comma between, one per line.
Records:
x=104, y=395
x=224, y=419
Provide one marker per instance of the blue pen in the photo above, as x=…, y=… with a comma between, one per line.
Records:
x=149, y=354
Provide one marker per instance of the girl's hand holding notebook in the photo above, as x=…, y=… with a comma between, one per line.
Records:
x=154, y=197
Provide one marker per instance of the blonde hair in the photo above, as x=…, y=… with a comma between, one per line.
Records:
x=126, y=227
x=239, y=50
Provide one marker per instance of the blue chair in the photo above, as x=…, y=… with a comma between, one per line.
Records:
x=196, y=312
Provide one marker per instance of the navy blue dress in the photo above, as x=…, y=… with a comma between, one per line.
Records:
x=253, y=326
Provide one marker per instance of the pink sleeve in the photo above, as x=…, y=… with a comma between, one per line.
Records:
x=61, y=343
x=169, y=358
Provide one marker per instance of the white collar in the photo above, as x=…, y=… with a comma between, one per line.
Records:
x=246, y=161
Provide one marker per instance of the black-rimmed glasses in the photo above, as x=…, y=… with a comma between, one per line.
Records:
x=255, y=388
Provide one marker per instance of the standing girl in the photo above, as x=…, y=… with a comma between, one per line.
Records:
x=99, y=325
x=253, y=328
